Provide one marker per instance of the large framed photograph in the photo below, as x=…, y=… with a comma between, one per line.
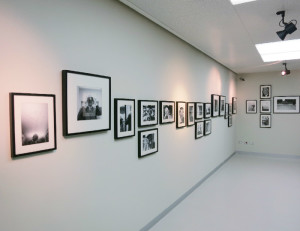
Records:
x=226, y=111
x=222, y=105
x=215, y=103
x=230, y=121
x=265, y=121
x=199, y=111
x=167, y=112
x=251, y=106
x=207, y=127
x=124, y=118
x=199, y=129
x=147, y=113
x=234, y=105
x=286, y=104
x=181, y=114
x=207, y=110
x=265, y=106
x=33, y=123
x=147, y=142
x=190, y=114
x=265, y=91
x=86, y=102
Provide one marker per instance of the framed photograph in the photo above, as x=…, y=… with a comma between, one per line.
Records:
x=199, y=110
x=265, y=106
x=199, y=129
x=190, y=114
x=147, y=113
x=222, y=105
x=207, y=110
x=181, y=114
x=147, y=142
x=167, y=112
x=251, y=106
x=265, y=120
x=215, y=103
x=226, y=111
x=207, y=127
x=33, y=123
x=229, y=120
x=230, y=109
x=265, y=91
x=124, y=118
x=286, y=104
x=86, y=103
x=234, y=105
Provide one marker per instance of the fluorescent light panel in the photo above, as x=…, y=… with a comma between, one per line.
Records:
x=278, y=51
x=236, y=2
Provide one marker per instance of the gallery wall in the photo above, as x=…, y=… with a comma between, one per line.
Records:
x=93, y=182
x=283, y=136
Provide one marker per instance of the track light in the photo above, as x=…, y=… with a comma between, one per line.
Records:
x=285, y=71
x=289, y=27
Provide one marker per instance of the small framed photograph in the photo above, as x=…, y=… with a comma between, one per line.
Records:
x=229, y=120
x=265, y=106
x=251, y=106
x=167, y=112
x=215, y=103
x=286, y=104
x=190, y=114
x=199, y=110
x=222, y=105
x=147, y=113
x=226, y=111
x=234, y=105
x=33, y=123
x=181, y=114
x=207, y=127
x=124, y=118
x=199, y=129
x=265, y=120
x=207, y=110
x=147, y=142
x=86, y=102
x=230, y=108
x=265, y=91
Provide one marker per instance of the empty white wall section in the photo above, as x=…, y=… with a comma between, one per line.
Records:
x=92, y=182
x=283, y=137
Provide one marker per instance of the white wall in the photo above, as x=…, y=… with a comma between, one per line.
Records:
x=283, y=136
x=92, y=182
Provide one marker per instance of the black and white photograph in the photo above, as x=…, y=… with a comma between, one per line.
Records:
x=215, y=104
x=265, y=121
x=147, y=142
x=265, y=91
x=190, y=114
x=181, y=114
x=199, y=111
x=167, y=112
x=86, y=102
x=230, y=108
x=199, y=129
x=207, y=110
x=207, y=127
x=226, y=111
x=230, y=121
x=234, y=105
x=33, y=123
x=147, y=113
x=265, y=106
x=251, y=106
x=286, y=104
x=222, y=105
x=124, y=118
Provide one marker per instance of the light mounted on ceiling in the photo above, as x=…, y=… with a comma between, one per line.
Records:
x=285, y=71
x=289, y=27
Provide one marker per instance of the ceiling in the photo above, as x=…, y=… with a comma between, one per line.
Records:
x=225, y=32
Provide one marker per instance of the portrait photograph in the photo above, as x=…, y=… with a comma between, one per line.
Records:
x=199, y=111
x=215, y=104
x=207, y=127
x=226, y=111
x=181, y=114
x=167, y=112
x=207, y=110
x=234, y=105
x=147, y=112
x=286, y=104
x=230, y=121
x=147, y=142
x=265, y=106
x=222, y=101
x=265, y=121
x=265, y=91
x=124, y=118
x=230, y=108
x=86, y=102
x=251, y=106
x=190, y=114
x=33, y=123
x=199, y=129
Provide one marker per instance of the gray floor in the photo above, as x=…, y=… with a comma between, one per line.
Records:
x=249, y=193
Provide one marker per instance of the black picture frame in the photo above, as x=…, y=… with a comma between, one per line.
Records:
x=234, y=105
x=190, y=113
x=86, y=103
x=124, y=118
x=147, y=142
x=181, y=114
x=207, y=127
x=230, y=108
x=207, y=110
x=199, y=129
x=286, y=104
x=265, y=121
x=265, y=91
x=199, y=110
x=230, y=121
x=215, y=104
x=147, y=113
x=33, y=123
x=251, y=106
x=265, y=106
x=226, y=111
x=167, y=112
x=222, y=103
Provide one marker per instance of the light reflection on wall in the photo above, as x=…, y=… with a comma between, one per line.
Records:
x=214, y=82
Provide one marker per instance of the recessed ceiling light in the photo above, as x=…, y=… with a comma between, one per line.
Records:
x=277, y=51
x=236, y=2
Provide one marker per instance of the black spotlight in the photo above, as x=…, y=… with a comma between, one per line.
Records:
x=289, y=28
x=285, y=71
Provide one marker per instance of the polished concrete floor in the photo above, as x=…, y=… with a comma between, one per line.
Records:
x=248, y=193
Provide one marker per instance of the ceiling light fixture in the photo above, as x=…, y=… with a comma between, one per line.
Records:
x=285, y=71
x=289, y=28
x=236, y=2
